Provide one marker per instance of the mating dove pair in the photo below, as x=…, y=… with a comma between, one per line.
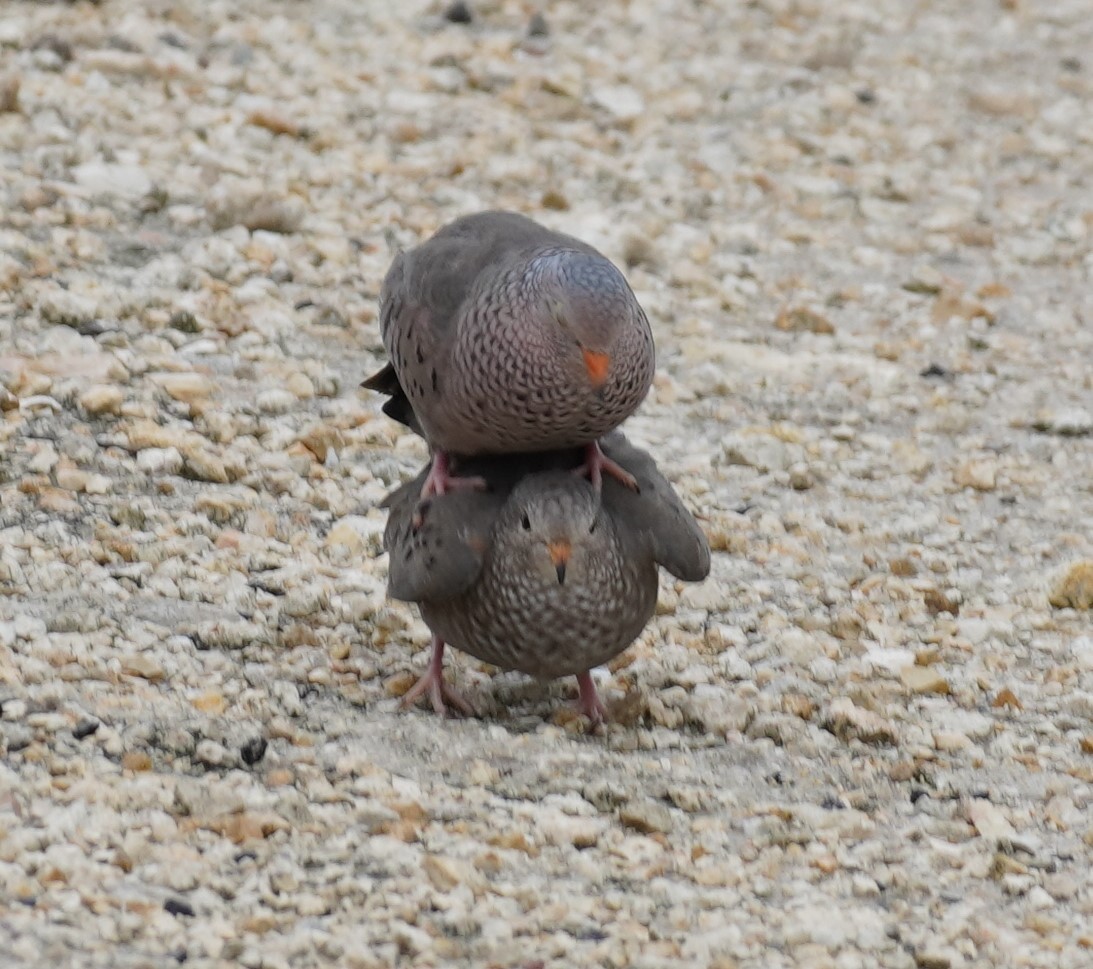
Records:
x=532, y=539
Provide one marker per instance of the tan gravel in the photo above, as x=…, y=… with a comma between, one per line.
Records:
x=864, y=233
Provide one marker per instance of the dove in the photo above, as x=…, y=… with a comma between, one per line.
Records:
x=541, y=572
x=507, y=337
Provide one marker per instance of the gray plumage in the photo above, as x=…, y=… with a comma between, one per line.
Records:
x=507, y=337
x=484, y=565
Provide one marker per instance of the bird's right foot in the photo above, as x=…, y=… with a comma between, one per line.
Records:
x=597, y=464
x=588, y=700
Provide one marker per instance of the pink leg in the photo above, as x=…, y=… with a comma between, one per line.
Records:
x=433, y=684
x=588, y=701
x=440, y=481
x=596, y=464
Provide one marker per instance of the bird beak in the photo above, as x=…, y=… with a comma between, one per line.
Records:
x=596, y=364
x=559, y=555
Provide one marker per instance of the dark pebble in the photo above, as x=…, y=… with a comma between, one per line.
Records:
x=459, y=13
x=85, y=728
x=934, y=370
x=538, y=26
x=178, y=906
x=61, y=47
x=253, y=750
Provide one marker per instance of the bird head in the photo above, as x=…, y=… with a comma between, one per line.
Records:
x=555, y=521
x=590, y=310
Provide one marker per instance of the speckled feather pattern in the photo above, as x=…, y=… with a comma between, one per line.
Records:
x=514, y=619
x=466, y=320
x=477, y=575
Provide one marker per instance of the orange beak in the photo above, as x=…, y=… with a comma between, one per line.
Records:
x=559, y=555
x=596, y=364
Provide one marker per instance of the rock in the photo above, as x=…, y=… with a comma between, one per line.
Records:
x=102, y=399
x=211, y=753
x=850, y=722
x=44, y=461
x=356, y=533
x=801, y=477
x=1074, y=587
x=155, y=460
x=1006, y=698
x=62, y=308
x=800, y=319
x=446, y=873
x=978, y=473
x=143, y=665
x=892, y=660
x=621, y=101
x=566, y=831
x=761, y=451
x=9, y=93
x=924, y=679
x=301, y=386
x=646, y=816
x=98, y=484
x=189, y=388
x=129, y=182
x=933, y=958
x=255, y=208
x=458, y=12
x=203, y=465
x=950, y=740
x=275, y=401
x=538, y=26
x=937, y=602
x=136, y=760
x=323, y=442
x=1066, y=423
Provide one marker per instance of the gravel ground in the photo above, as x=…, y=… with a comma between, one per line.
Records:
x=864, y=233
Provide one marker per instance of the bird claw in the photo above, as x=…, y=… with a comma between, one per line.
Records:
x=589, y=702
x=597, y=464
x=441, y=695
x=440, y=481
x=433, y=683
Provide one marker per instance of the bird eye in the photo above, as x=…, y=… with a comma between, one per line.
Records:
x=526, y=522
x=591, y=528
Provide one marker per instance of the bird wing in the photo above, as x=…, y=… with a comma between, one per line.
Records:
x=398, y=406
x=443, y=556
x=675, y=538
x=427, y=291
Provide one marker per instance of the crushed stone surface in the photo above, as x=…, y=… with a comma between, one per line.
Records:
x=864, y=235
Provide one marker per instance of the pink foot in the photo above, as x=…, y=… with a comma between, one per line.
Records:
x=596, y=464
x=433, y=684
x=440, y=481
x=588, y=701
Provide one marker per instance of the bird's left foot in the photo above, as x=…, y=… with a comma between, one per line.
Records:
x=432, y=683
x=597, y=464
x=439, y=481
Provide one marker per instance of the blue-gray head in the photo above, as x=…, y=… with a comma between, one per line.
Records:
x=591, y=309
x=551, y=524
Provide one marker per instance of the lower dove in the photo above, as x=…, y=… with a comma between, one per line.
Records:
x=542, y=572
